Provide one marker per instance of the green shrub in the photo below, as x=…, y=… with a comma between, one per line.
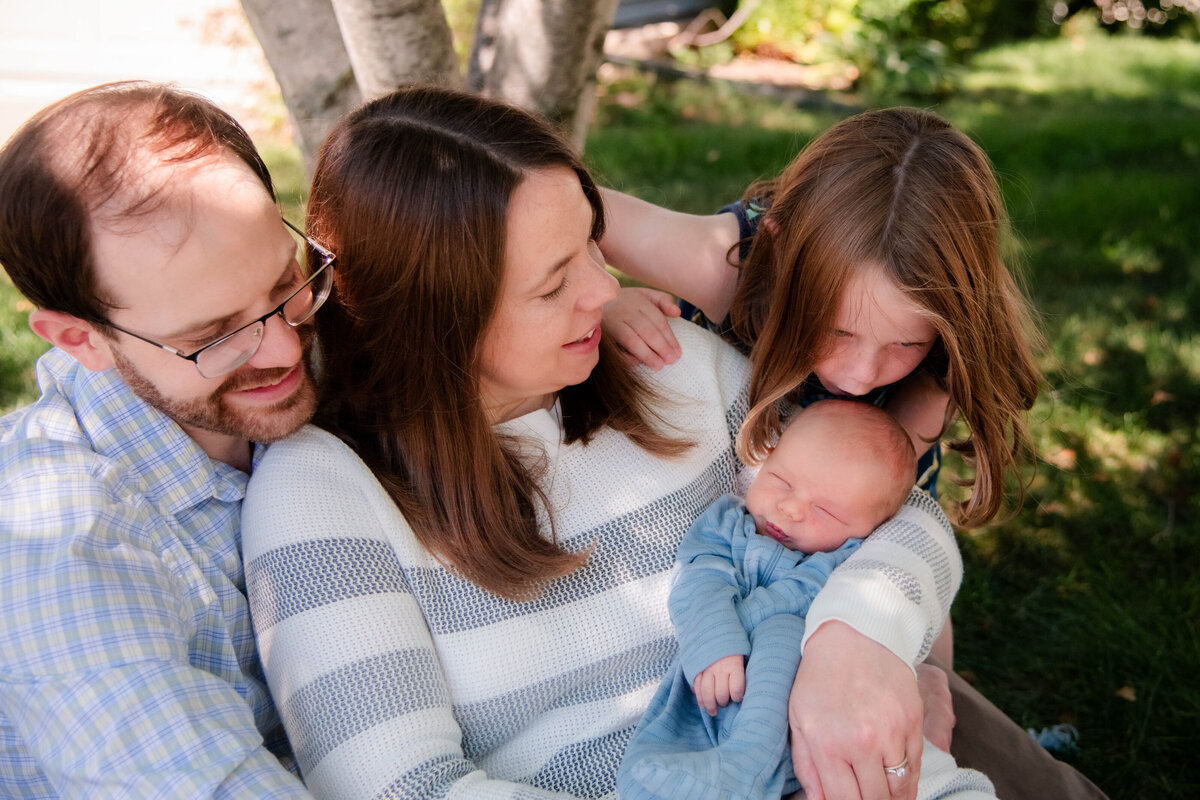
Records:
x=807, y=33
x=902, y=47
x=913, y=48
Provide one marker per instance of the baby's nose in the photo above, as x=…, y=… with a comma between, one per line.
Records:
x=793, y=509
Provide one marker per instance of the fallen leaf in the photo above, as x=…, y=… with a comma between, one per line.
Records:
x=1063, y=459
x=1161, y=397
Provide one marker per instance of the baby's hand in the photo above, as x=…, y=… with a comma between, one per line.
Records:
x=637, y=321
x=719, y=682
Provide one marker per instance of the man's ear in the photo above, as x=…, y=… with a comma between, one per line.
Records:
x=74, y=336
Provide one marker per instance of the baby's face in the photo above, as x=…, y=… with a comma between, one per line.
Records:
x=812, y=493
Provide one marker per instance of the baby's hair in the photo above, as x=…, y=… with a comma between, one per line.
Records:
x=870, y=433
x=902, y=191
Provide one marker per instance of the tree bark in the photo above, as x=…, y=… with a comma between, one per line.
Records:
x=303, y=45
x=394, y=42
x=329, y=54
x=542, y=55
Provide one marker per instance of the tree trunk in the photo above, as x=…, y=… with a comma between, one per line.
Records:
x=301, y=41
x=393, y=42
x=543, y=55
x=327, y=54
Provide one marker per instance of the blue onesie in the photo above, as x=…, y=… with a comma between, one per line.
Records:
x=734, y=592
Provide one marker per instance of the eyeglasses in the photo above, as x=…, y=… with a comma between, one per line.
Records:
x=223, y=356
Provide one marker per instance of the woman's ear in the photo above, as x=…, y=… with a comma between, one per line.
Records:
x=81, y=340
x=770, y=225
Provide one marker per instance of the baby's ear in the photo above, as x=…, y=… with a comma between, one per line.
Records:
x=80, y=339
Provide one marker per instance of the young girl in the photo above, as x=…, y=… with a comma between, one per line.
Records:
x=870, y=268
x=878, y=274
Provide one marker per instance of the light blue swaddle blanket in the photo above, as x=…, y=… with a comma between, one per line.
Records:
x=735, y=592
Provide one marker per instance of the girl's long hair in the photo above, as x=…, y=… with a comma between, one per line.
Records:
x=411, y=192
x=900, y=190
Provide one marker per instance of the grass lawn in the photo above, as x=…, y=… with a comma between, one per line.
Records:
x=1083, y=607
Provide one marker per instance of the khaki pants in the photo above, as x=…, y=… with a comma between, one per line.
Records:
x=1021, y=769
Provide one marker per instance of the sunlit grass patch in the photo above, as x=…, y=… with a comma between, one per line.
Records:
x=1102, y=68
x=19, y=348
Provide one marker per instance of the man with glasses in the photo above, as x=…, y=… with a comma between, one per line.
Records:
x=142, y=224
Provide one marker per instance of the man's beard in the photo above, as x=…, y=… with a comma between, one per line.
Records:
x=214, y=413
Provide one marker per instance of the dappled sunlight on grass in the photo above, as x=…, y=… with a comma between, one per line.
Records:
x=1101, y=67
x=1129, y=451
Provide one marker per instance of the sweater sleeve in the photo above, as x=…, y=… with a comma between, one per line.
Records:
x=898, y=587
x=346, y=649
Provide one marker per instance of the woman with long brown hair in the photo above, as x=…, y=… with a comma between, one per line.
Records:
x=459, y=579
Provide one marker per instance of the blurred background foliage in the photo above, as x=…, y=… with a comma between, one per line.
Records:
x=917, y=47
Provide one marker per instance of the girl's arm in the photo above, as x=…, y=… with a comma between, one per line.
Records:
x=919, y=405
x=684, y=254
x=345, y=646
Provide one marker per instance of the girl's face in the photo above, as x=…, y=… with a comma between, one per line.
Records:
x=546, y=331
x=879, y=336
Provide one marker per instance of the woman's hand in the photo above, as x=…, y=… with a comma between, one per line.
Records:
x=854, y=710
x=637, y=322
x=720, y=682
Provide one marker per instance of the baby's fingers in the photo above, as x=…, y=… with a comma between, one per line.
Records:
x=706, y=692
x=737, y=686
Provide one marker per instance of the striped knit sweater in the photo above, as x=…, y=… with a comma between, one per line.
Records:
x=397, y=678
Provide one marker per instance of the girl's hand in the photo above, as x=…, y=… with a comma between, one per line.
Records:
x=720, y=682
x=939, y=708
x=637, y=322
x=854, y=710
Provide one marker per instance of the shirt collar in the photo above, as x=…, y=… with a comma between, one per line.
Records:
x=173, y=471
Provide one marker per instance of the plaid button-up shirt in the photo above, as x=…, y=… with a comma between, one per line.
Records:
x=127, y=658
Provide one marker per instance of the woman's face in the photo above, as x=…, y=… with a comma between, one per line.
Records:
x=546, y=331
x=879, y=336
